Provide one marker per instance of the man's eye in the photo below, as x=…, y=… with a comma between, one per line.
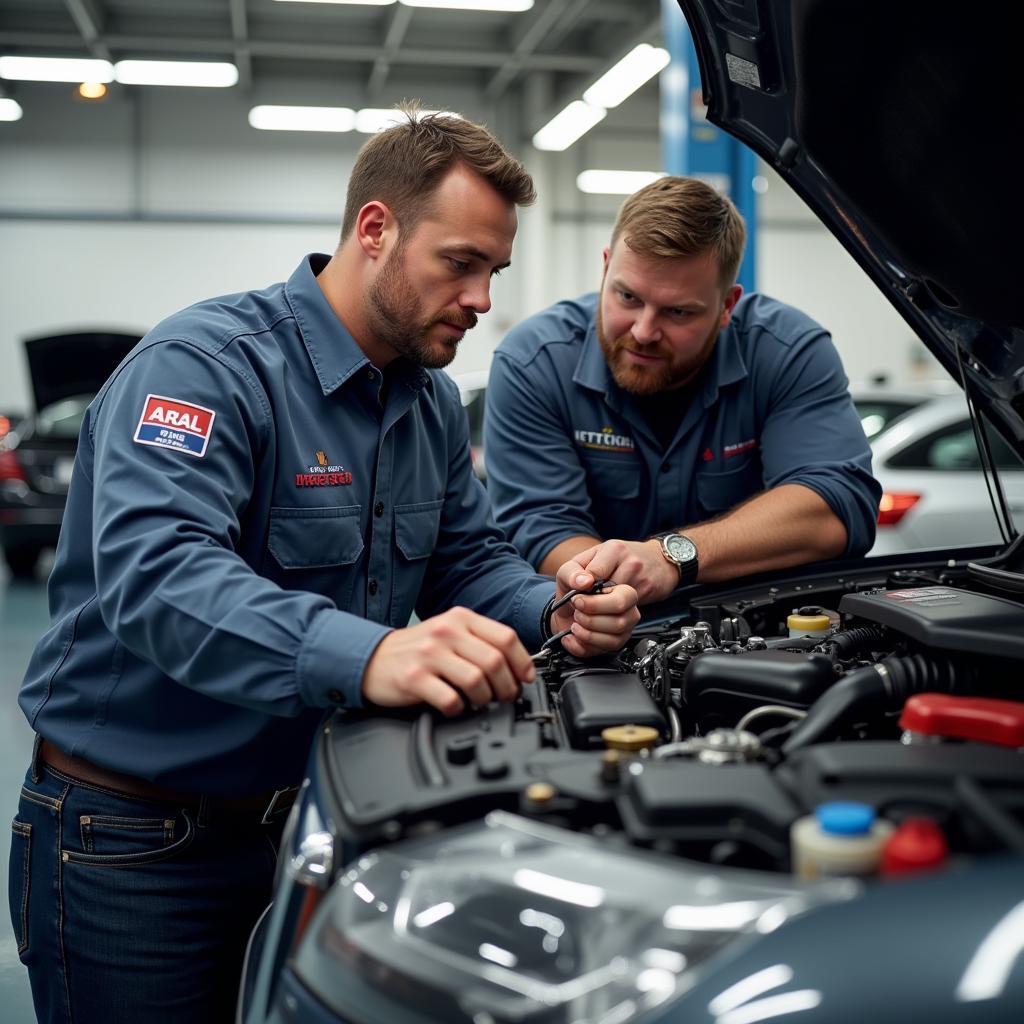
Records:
x=679, y=313
x=458, y=265
x=496, y=272
x=627, y=296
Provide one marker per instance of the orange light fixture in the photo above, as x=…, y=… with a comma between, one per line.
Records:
x=92, y=90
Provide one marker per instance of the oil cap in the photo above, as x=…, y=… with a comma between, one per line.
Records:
x=918, y=844
x=965, y=718
x=629, y=738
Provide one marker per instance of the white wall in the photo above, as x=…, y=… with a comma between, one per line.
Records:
x=168, y=197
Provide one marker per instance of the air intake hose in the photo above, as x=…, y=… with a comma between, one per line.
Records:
x=849, y=642
x=881, y=687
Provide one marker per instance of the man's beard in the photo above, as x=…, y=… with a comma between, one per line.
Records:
x=394, y=316
x=649, y=380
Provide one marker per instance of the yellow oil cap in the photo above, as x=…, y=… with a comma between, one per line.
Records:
x=802, y=625
x=629, y=737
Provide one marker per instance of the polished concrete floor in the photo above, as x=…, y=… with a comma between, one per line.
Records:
x=22, y=620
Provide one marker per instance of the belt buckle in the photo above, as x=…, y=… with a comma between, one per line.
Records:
x=272, y=807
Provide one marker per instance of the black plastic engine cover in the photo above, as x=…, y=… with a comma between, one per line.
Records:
x=684, y=800
x=593, y=702
x=719, y=688
x=947, y=619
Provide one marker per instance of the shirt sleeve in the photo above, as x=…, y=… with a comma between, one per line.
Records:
x=812, y=436
x=171, y=583
x=472, y=563
x=535, y=478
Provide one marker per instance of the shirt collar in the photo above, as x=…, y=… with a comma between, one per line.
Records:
x=334, y=353
x=727, y=365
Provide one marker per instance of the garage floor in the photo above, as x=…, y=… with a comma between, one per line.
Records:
x=22, y=620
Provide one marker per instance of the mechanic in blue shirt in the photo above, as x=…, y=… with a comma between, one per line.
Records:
x=712, y=435
x=265, y=490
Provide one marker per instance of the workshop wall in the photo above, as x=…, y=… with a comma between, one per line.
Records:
x=116, y=214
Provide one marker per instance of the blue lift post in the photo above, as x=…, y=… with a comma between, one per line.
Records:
x=691, y=145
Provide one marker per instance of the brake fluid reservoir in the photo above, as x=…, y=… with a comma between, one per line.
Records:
x=839, y=838
x=812, y=622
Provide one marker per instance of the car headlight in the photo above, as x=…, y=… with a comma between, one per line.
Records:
x=511, y=920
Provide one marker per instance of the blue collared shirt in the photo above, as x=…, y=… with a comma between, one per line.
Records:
x=247, y=519
x=570, y=453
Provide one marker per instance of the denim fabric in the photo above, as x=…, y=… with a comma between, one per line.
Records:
x=128, y=910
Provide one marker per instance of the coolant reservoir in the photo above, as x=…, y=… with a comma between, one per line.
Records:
x=839, y=838
x=629, y=738
x=812, y=622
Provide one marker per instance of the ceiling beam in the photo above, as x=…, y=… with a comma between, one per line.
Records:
x=428, y=56
x=240, y=32
x=547, y=21
x=392, y=44
x=89, y=20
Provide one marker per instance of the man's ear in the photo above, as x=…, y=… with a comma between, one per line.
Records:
x=732, y=296
x=374, y=224
x=605, y=253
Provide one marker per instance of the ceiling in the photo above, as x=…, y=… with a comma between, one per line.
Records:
x=565, y=44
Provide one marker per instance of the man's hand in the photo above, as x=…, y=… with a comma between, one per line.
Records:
x=638, y=563
x=599, y=622
x=450, y=656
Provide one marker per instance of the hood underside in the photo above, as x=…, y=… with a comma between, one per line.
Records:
x=63, y=365
x=894, y=122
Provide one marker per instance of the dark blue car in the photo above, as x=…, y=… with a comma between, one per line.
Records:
x=793, y=797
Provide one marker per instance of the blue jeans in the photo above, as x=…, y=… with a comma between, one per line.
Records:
x=130, y=910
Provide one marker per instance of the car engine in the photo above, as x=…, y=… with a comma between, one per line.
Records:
x=717, y=730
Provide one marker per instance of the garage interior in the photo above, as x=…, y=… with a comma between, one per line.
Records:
x=118, y=209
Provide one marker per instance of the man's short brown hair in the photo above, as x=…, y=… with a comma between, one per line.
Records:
x=403, y=165
x=675, y=217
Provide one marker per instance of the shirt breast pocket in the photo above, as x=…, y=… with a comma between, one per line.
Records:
x=416, y=530
x=615, y=479
x=721, y=491
x=316, y=549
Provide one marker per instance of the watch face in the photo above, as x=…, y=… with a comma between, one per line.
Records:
x=680, y=548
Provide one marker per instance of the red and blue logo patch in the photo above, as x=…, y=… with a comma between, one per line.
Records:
x=171, y=423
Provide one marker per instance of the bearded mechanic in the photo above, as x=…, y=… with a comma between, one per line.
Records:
x=712, y=434
x=264, y=491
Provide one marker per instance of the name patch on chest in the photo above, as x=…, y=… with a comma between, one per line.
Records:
x=604, y=439
x=323, y=473
x=171, y=423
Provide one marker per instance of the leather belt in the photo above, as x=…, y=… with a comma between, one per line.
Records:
x=262, y=807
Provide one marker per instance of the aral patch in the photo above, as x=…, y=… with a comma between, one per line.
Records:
x=172, y=423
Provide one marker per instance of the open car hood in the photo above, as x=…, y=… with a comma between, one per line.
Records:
x=62, y=365
x=893, y=121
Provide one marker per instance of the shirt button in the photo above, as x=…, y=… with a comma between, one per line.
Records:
x=336, y=697
x=369, y=374
x=378, y=509
x=665, y=467
x=372, y=587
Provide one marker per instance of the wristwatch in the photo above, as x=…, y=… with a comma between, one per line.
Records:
x=678, y=549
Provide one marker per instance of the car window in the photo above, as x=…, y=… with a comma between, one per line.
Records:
x=62, y=419
x=953, y=448
x=877, y=415
x=473, y=402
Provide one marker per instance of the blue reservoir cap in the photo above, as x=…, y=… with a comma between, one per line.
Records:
x=845, y=817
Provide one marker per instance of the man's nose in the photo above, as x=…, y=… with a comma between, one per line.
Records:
x=645, y=327
x=477, y=296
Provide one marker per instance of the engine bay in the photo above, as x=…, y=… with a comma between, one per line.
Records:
x=715, y=731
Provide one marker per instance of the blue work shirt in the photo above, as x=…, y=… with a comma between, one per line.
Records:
x=570, y=453
x=246, y=521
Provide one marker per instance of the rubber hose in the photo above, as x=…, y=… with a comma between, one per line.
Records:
x=884, y=686
x=849, y=641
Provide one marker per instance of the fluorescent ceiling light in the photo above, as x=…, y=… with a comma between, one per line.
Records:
x=614, y=183
x=10, y=110
x=359, y=3
x=566, y=127
x=472, y=5
x=55, y=69
x=176, y=72
x=623, y=79
x=303, y=119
